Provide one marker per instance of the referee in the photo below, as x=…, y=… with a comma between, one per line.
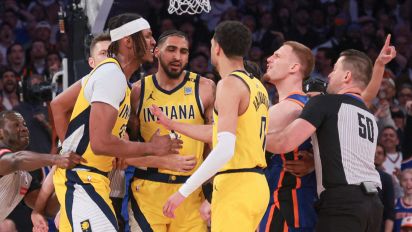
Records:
x=344, y=135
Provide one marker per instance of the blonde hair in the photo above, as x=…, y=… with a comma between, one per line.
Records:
x=406, y=171
x=305, y=57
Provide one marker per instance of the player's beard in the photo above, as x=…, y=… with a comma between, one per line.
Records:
x=170, y=74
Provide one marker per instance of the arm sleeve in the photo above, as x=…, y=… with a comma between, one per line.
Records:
x=218, y=157
x=107, y=84
x=313, y=112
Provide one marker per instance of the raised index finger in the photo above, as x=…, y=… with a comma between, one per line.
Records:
x=388, y=41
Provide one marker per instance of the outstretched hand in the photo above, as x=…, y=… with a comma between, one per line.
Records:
x=161, y=117
x=387, y=53
x=68, y=160
x=165, y=145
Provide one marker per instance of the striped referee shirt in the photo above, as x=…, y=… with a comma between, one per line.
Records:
x=344, y=143
x=13, y=188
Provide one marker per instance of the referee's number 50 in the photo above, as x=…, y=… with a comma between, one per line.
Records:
x=365, y=127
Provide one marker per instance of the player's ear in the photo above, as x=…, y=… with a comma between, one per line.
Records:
x=348, y=76
x=91, y=62
x=218, y=49
x=295, y=67
x=156, y=52
x=1, y=134
x=128, y=41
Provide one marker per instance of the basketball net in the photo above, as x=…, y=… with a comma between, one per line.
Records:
x=189, y=6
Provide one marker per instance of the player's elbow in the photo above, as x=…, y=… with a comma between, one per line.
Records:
x=98, y=145
x=56, y=106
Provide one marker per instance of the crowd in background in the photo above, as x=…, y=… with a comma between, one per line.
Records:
x=32, y=48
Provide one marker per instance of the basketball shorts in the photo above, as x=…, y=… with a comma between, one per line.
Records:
x=239, y=201
x=146, y=213
x=84, y=200
x=290, y=210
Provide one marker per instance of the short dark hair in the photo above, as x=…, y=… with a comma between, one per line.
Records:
x=8, y=69
x=12, y=46
x=383, y=148
x=172, y=32
x=105, y=36
x=234, y=38
x=138, y=38
x=386, y=128
x=359, y=64
x=4, y=115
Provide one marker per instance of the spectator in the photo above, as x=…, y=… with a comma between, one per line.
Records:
x=387, y=194
x=255, y=55
x=38, y=11
x=199, y=63
x=301, y=31
x=407, y=138
x=406, y=225
x=166, y=24
x=42, y=32
x=10, y=95
x=404, y=95
x=250, y=22
x=390, y=141
x=6, y=40
x=16, y=59
x=38, y=54
x=323, y=64
x=10, y=17
x=319, y=25
x=403, y=204
x=62, y=44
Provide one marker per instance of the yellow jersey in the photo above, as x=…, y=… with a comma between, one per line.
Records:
x=77, y=135
x=181, y=104
x=251, y=127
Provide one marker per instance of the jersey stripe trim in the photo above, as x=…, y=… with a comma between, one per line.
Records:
x=197, y=96
x=142, y=88
x=169, y=92
x=78, y=121
x=139, y=216
x=104, y=207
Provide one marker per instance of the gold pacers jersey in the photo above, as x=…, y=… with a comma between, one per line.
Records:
x=181, y=104
x=77, y=135
x=251, y=127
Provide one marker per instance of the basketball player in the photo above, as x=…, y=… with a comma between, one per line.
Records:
x=98, y=123
x=344, y=145
x=183, y=96
x=240, y=194
x=63, y=106
x=15, y=181
x=292, y=195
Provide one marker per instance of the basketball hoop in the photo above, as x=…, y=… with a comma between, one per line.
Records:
x=189, y=6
